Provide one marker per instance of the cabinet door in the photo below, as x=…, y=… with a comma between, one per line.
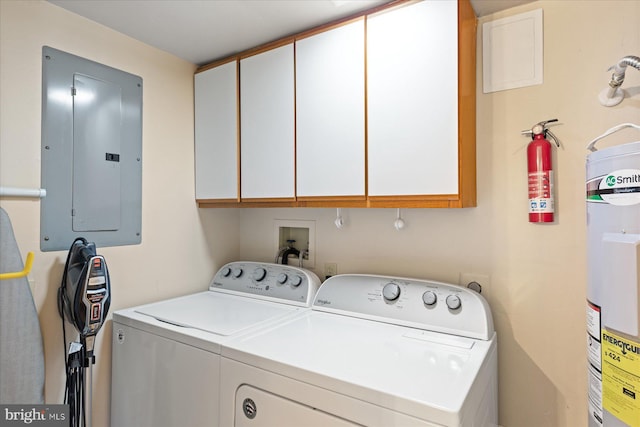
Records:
x=412, y=71
x=216, y=132
x=267, y=124
x=330, y=95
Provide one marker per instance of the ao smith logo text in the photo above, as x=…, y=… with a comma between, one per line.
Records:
x=623, y=345
x=621, y=179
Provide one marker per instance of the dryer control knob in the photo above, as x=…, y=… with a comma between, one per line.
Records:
x=429, y=298
x=296, y=281
x=454, y=302
x=237, y=272
x=259, y=274
x=226, y=272
x=391, y=291
x=282, y=278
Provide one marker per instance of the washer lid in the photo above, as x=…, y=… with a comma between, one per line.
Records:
x=217, y=313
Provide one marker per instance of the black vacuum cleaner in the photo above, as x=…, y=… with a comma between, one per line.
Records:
x=84, y=298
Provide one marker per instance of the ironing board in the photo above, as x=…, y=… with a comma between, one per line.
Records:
x=21, y=349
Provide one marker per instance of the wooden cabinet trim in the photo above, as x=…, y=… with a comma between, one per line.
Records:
x=266, y=47
x=238, y=133
x=216, y=64
x=410, y=202
x=467, y=24
x=327, y=27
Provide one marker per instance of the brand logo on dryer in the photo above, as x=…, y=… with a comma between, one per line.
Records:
x=249, y=408
x=323, y=302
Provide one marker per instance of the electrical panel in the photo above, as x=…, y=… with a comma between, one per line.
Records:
x=91, y=153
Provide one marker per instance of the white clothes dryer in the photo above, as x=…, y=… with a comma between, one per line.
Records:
x=166, y=355
x=373, y=351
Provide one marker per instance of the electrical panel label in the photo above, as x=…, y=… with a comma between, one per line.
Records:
x=621, y=377
x=620, y=187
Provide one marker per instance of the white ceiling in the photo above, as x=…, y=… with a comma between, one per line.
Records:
x=201, y=31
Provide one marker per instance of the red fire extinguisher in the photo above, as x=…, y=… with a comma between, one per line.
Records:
x=540, y=170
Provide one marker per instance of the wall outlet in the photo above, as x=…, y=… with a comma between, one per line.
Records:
x=330, y=269
x=482, y=279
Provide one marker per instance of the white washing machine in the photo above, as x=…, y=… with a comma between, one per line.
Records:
x=166, y=355
x=373, y=351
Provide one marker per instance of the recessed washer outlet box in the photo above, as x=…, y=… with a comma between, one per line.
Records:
x=299, y=234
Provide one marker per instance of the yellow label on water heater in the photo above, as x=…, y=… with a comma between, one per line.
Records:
x=621, y=377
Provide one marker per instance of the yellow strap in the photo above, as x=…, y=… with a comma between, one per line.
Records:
x=18, y=274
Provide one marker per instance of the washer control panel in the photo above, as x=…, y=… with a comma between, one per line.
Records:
x=423, y=304
x=273, y=281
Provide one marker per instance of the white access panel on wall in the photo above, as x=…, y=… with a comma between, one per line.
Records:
x=512, y=52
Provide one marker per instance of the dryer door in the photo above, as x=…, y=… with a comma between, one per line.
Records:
x=257, y=408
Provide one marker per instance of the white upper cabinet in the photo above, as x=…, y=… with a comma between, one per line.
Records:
x=412, y=72
x=267, y=122
x=330, y=126
x=216, y=132
x=376, y=111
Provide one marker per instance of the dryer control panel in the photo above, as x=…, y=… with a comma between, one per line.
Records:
x=280, y=282
x=423, y=304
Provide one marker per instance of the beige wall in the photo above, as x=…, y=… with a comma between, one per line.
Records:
x=181, y=245
x=537, y=272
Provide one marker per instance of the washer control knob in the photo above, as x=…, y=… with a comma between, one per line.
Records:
x=282, y=278
x=226, y=272
x=296, y=281
x=454, y=302
x=391, y=291
x=429, y=298
x=259, y=274
x=237, y=272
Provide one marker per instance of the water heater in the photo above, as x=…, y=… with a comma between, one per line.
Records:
x=613, y=289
